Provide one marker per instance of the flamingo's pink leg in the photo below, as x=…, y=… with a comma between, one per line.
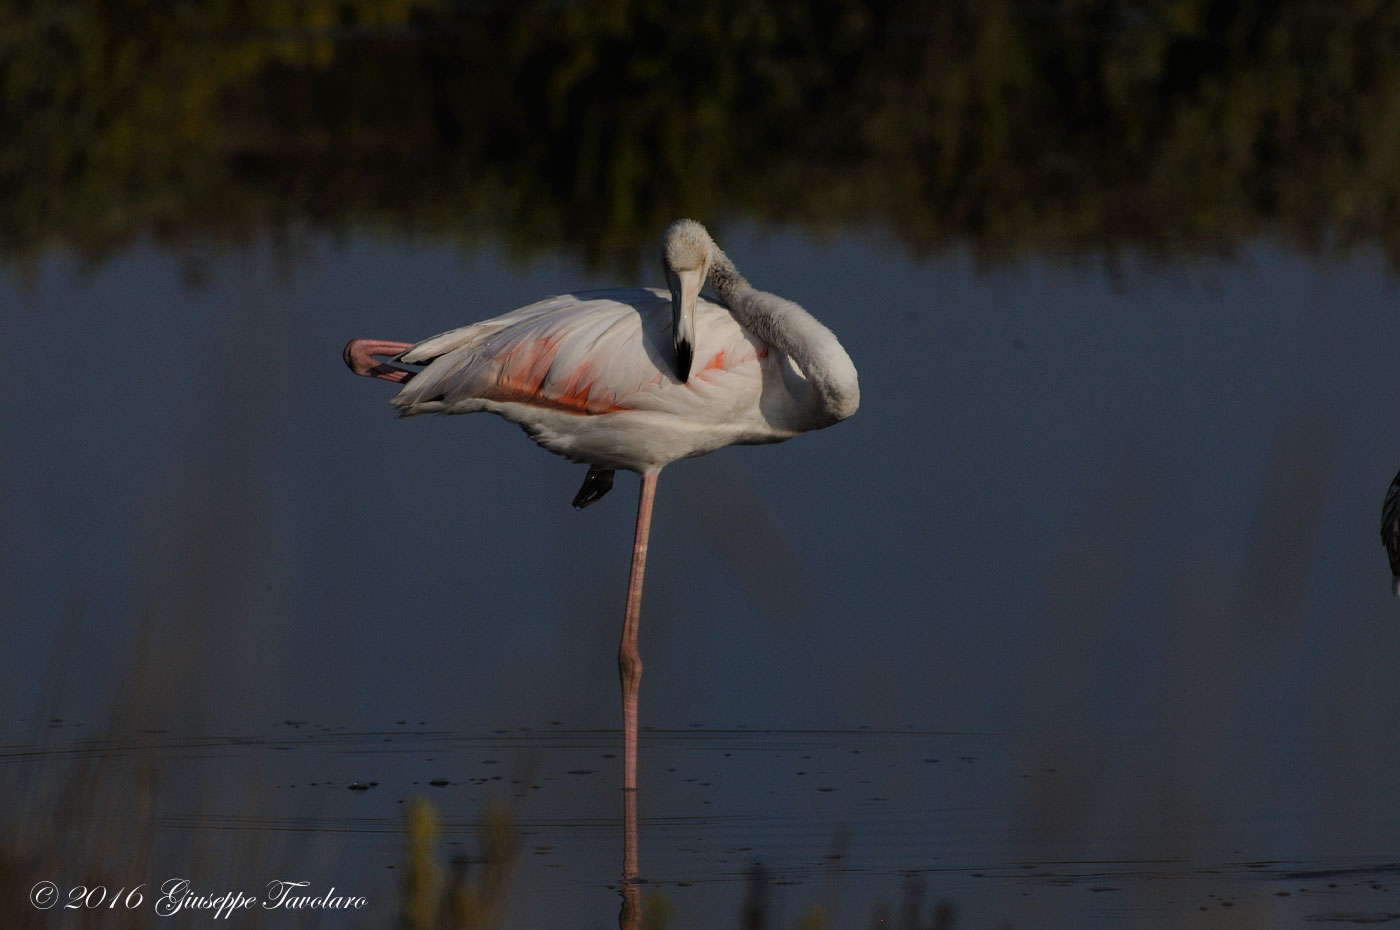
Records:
x=360, y=353
x=630, y=917
x=629, y=664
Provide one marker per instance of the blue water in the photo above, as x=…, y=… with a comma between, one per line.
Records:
x=1101, y=541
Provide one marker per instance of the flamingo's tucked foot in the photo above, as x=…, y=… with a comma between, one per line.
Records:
x=598, y=482
x=360, y=353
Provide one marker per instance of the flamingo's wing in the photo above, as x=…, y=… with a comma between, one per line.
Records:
x=588, y=353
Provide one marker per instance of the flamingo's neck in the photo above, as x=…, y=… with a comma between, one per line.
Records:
x=785, y=325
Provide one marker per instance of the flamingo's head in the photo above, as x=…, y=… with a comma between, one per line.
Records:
x=686, y=253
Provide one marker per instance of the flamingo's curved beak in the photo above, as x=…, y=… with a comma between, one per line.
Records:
x=685, y=292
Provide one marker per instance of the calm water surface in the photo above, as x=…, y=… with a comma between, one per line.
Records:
x=1081, y=621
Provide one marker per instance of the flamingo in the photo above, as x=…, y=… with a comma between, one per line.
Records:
x=634, y=378
x=1390, y=532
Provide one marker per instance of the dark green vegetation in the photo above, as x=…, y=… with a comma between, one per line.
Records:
x=1059, y=126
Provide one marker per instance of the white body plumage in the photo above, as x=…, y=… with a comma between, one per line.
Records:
x=591, y=376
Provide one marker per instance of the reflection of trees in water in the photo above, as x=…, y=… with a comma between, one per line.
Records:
x=1055, y=125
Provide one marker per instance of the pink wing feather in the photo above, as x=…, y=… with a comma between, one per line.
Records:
x=590, y=353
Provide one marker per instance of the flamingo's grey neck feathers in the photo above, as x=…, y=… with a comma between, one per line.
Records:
x=784, y=324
